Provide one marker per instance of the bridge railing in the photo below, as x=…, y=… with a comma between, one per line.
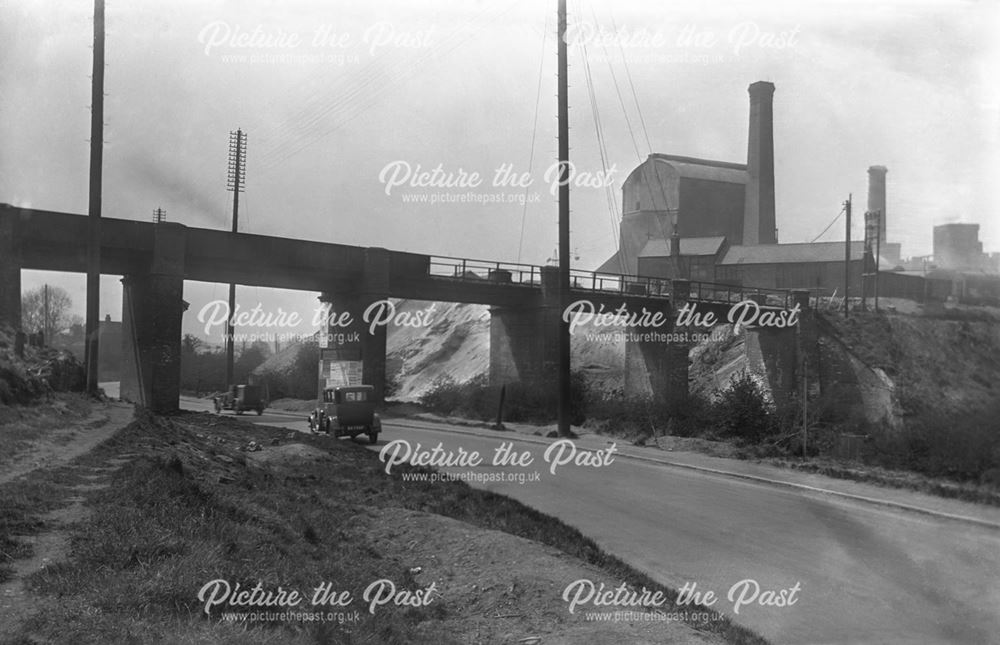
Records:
x=513, y=273
x=502, y=272
x=717, y=292
x=630, y=285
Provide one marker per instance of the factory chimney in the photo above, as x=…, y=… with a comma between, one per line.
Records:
x=758, y=209
x=876, y=196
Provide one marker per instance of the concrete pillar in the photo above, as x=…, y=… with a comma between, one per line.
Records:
x=807, y=331
x=677, y=353
x=354, y=352
x=10, y=273
x=373, y=342
x=152, y=310
x=524, y=340
x=522, y=349
x=656, y=365
x=779, y=353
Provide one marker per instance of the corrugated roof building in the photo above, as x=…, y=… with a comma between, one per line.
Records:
x=724, y=216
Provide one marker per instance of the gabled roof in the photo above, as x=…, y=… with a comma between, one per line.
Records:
x=659, y=247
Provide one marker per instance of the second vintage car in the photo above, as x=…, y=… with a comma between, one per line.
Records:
x=347, y=410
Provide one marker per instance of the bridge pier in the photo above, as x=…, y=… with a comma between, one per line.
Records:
x=10, y=274
x=353, y=351
x=654, y=367
x=524, y=340
x=807, y=340
x=152, y=308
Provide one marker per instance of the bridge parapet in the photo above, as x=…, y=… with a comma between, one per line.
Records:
x=632, y=286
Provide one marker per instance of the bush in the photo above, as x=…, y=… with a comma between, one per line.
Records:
x=640, y=419
x=962, y=446
x=743, y=410
x=522, y=403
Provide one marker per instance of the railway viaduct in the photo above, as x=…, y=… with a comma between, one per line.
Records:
x=156, y=258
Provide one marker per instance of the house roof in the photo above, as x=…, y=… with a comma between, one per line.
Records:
x=659, y=247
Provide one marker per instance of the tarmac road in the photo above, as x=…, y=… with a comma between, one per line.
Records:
x=862, y=573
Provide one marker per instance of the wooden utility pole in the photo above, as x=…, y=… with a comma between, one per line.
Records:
x=847, y=257
x=46, y=337
x=91, y=347
x=878, y=251
x=805, y=406
x=237, y=170
x=564, y=343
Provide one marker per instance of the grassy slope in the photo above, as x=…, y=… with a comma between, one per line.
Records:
x=190, y=510
x=937, y=364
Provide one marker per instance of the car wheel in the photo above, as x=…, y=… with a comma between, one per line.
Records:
x=260, y=411
x=373, y=438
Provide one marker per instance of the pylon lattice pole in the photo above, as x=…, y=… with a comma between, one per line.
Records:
x=235, y=183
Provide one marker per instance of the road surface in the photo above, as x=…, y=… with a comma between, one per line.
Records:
x=864, y=573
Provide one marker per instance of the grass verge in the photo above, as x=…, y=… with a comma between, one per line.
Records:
x=193, y=506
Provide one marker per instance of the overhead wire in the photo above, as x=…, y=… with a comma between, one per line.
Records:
x=834, y=221
x=635, y=96
x=601, y=144
x=534, y=132
x=621, y=101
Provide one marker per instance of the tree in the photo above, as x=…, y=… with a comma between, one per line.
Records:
x=45, y=309
x=249, y=359
x=743, y=409
x=190, y=344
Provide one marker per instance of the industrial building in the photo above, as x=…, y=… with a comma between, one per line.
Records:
x=714, y=221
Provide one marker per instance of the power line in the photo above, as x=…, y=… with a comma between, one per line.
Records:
x=534, y=132
x=602, y=149
x=621, y=101
x=635, y=97
x=828, y=226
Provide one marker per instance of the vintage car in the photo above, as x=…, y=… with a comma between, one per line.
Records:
x=241, y=398
x=347, y=410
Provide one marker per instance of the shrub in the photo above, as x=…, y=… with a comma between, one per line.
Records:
x=743, y=410
x=963, y=446
x=639, y=419
x=478, y=399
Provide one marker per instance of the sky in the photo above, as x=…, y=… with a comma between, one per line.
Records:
x=348, y=107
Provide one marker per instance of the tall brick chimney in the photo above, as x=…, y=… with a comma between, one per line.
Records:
x=758, y=209
x=876, y=196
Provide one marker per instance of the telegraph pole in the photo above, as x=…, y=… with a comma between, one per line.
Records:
x=872, y=250
x=564, y=343
x=237, y=172
x=878, y=251
x=91, y=347
x=847, y=256
x=159, y=216
x=47, y=337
